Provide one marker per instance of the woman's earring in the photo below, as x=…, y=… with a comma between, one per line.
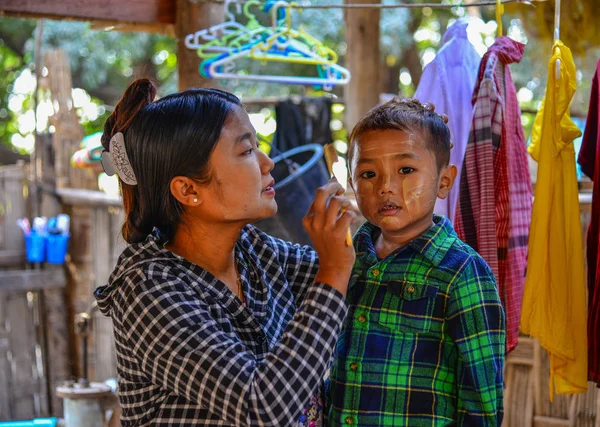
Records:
x=195, y=200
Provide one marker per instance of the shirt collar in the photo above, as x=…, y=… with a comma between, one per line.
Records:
x=432, y=244
x=456, y=30
x=506, y=49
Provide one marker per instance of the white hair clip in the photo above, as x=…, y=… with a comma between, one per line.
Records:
x=116, y=160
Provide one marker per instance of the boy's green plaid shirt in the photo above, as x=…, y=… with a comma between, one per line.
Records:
x=423, y=343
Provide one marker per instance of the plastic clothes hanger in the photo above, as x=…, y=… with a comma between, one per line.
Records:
x=252, y=32
x=281, y=43
x=200, y=38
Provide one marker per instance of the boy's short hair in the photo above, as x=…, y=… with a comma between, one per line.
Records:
x=407, y=115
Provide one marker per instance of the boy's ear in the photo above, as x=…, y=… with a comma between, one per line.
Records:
x=447, y=178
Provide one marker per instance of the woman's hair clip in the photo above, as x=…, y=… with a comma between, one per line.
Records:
x=116, y=160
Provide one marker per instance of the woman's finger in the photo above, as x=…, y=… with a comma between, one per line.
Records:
x=324, y=193
x=336, y=205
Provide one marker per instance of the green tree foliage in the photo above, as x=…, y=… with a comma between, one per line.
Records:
x=14, y=34
x=102, y=63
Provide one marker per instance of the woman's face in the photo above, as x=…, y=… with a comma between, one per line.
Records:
x=241, y=188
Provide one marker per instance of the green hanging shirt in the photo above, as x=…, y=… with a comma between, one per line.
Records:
x=423, y=343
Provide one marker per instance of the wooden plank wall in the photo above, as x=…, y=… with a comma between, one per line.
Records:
x=23, y=389
x=13, y=205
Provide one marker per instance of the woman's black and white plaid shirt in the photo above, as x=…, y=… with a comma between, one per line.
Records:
x=189, y=353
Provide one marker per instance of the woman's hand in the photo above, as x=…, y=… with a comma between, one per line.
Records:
x=327, y=223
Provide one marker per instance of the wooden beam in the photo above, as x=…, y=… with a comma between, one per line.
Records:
x=362, y=59
x=87, y=198
x=31, y=280
x=540, y=421
x=99, y=24
x=133, y=11
x=9, y=157
x=133, y=27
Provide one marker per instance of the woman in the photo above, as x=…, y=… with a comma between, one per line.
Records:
x=215, y=322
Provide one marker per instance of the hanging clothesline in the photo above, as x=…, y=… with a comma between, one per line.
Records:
x=275, y=100
x=399, y=5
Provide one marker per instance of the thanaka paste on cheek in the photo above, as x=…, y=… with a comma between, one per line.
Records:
x=414, y=192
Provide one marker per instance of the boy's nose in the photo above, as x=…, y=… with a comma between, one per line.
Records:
x=387, y=185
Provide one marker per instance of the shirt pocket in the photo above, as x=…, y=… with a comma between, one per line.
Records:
x=409, y=307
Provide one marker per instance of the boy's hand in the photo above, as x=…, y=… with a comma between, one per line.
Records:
x=327, y=227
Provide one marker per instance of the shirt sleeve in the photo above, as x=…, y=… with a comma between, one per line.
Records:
x=300, y=265
x=477, y=326
x=587, y=154
x=181, y=347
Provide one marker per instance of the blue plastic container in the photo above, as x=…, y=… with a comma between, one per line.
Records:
x=38, y=422
x=35, y=247
x=295, y=190
x=56, y=248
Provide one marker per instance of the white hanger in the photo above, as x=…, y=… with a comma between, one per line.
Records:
x=557, y=34
x=228, y=72
x=199, y=38
x=274, y=9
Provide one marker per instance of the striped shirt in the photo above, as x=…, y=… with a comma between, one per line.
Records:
x=189, y=353
x=493, y=215
x=423, y=343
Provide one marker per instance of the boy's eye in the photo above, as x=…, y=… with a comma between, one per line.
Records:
x=406, y=171
x=367, y=174
x=248, y=152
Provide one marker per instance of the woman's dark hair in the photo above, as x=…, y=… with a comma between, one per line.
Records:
x=407, y=115
x=173, y=136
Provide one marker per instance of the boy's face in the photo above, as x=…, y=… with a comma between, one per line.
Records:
x=397, y=181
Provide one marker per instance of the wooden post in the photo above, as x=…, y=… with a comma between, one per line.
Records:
x=55, y=159
x=68, y=132
x=54, y=319
x=362, y=59
x=192, y=16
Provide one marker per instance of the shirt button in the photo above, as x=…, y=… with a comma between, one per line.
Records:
x=362, y=318
x=376, y=272
x=349, y=421
x=410, y=289
x=354, y=366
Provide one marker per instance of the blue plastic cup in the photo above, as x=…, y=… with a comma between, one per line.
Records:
x=56, y=248
x=35, y=247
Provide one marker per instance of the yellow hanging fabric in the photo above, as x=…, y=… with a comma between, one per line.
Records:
x=499, y=13
x=554, y=300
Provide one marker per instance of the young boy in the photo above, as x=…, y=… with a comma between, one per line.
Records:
x=423, y=343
